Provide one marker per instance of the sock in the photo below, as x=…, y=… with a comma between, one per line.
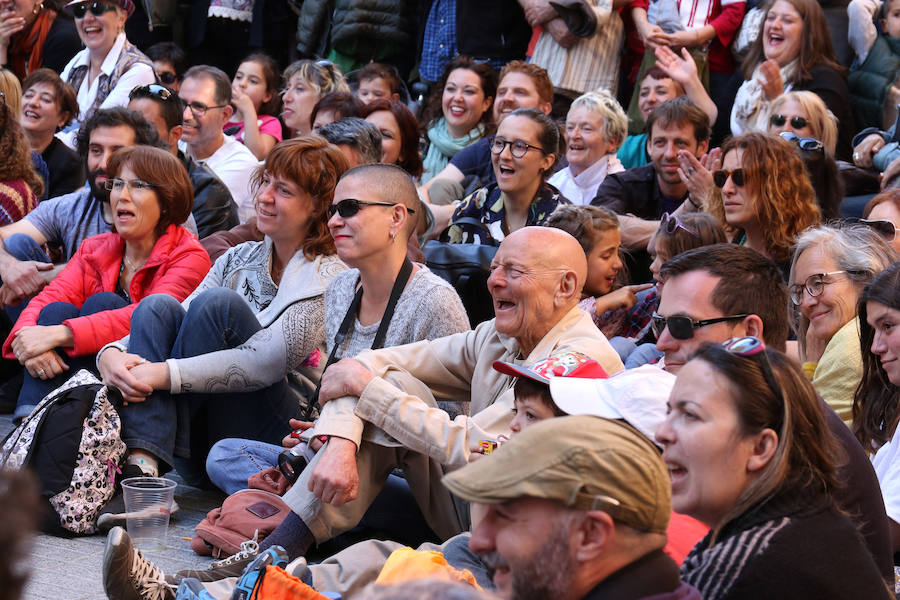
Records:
x=293, y=535
x=144, y=461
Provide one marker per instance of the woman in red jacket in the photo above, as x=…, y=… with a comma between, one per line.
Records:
x=90, y=302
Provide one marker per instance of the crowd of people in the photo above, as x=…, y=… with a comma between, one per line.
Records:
x=686, y=376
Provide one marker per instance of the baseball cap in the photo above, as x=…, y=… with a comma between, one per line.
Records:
x=638, y=396
x=561, y=364
x=583, y=462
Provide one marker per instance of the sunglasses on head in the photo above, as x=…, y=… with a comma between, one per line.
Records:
x=754, y=349
x=348, y=207
x=721, y=176
x=796, y=122
x=671, y=224
x=885, y=229
x=97, y=8
x=682, y=327
x=809, y=144
x=152, y=89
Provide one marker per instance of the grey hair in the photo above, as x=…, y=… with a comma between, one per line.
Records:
x=356, y=133
x=615, y=122
x=856, y=249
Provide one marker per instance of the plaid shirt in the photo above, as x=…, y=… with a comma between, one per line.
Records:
x=439, y=44
x=632, y=324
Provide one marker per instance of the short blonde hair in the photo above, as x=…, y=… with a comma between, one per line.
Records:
x=615, y=122
x=12, y=91
x=822, y=122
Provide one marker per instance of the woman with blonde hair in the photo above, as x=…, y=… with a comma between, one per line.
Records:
x=804, y=114
x=596, y=126
x=763, y=191
x=305, y=83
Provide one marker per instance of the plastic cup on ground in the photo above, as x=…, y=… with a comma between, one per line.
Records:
x=148, y=504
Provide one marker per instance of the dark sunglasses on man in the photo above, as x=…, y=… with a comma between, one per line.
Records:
x=681, y=327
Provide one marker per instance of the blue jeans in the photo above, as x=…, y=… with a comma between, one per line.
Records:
x=23, y=247
x=33, y=390
x=188, y=424
x=394, y=512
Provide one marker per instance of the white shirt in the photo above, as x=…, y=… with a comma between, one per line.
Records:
x=580, y=189
x=887, y=468
x=234, y=164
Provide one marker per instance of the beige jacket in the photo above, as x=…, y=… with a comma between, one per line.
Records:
x=456, y=367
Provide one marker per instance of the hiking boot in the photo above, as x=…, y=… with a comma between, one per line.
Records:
x=127, y=575
x=233, y=566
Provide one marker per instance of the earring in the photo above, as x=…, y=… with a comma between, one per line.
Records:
x=37, y=8
x=393, y=236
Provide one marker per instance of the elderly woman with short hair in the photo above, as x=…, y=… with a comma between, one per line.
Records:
x=830, y=267
x=596, y=126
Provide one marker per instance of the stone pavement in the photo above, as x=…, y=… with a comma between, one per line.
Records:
x=69, y=569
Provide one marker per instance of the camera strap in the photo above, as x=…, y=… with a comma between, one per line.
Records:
x=399, y=285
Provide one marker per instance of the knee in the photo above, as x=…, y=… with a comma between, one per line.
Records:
x=57, y=312
x=157, y=307
x=216, y=301
x=23, y=247
x=102, y=301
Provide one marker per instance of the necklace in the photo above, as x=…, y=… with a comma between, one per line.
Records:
x=131, y=265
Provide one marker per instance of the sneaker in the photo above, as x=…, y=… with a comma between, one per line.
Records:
x=273, y=555
x=233, y=566
x=127, y=575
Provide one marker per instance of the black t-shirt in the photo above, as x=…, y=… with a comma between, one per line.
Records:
x=475, y=159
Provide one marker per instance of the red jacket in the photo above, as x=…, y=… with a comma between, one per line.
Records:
x=177, y=264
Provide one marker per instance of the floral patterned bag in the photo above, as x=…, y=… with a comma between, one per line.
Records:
x=72, y=442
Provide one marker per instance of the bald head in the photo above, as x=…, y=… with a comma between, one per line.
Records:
x=536, y=278
x=389, y=183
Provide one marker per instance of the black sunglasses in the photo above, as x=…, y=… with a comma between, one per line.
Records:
x=885, y=229
x=167, y=78
x=796, y=122
x=809, y=144
x=721, y=176
x=348, y=207
x=751, y=347
x=96, y=7
x=682, y=327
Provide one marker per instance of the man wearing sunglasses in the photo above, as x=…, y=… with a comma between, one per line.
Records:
x=641, y=195
x=214, y=209
x=718, y=292
x=206, y=94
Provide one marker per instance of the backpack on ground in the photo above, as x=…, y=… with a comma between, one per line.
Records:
x=72, y=442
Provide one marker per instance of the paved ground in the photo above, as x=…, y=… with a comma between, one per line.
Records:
x=69, y=569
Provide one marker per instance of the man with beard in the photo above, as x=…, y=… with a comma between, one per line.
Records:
x=574, y=508
x=678, y=132
x=64, y=222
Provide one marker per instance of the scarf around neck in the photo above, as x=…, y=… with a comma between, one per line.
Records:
x=26, y=48
x=751, y=105
x=444, y=146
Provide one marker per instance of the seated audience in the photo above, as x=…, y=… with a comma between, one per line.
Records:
x=213, y=209
x=595, y=128
x=257, y=104
x=875, y=404
x=524, y=152
x=830, y=267
x=35, y=35
x=170, y=368
x=206, y=95
x=20, y=184
x=882, y=213
x=305, y=82
x=399, y=134
x=334, y=107
x=457, y=113
x=377, y=81
x=763, y=192
x=90, y=302
x=750, y=454
x=792, y=52
x=109, y=66
x=169, y=64
x=48, y=105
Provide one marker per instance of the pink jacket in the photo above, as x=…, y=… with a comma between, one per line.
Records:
x=177, y=264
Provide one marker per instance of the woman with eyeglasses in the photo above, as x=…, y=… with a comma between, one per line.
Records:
x=876, y=404
x=596, y=126
x=237, y=356
x=523, y=153
x=458, y=111
x=750, y=454
x=305, y=83
x=882, y=214
x=830, y=267
x=90, y=302
x=101, y=26
x=763, y=192
x=33, y=35
x=792, y=52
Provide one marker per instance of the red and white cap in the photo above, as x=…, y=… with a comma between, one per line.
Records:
x=564, y=364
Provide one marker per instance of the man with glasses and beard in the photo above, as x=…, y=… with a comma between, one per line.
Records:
x=64, y=222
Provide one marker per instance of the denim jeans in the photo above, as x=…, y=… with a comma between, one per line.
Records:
x=33, y=390
x=188, y=424
x=393, y=513
x=23, y=247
